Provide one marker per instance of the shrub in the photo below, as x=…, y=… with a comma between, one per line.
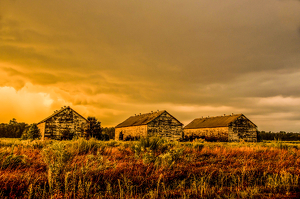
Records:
x=57, y=158
x=198, y=146
x=153, y=143
x=11, y=160
x=131, y=138
x=83, y=146
x=149, y=144
x=32, y=133
x=169, y=158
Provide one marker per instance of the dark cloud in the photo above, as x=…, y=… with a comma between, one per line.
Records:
x=119, y=57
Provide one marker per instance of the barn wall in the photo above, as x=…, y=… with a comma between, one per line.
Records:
x=65, y=121
x=132, y=131
x=41, y=127
x=165, y=126
x=218, y=133
x=244, y=129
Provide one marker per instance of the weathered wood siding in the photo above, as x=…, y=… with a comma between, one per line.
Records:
x=131, y=131
x=165, y=126
x=218, y=133
x=65, y=121
x=41, y=127
x=244, y=129
x=223, y=128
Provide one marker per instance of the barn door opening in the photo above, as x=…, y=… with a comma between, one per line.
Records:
x=121, y=136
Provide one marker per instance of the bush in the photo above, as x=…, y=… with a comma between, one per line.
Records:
x=32, y=133
x=169, y=159
x=11, y=160
x=154, y=143
x=150, y=143
x=131, y=138
x=57, y=158
x=82, y=146
x=105, y=137
x=198, y=146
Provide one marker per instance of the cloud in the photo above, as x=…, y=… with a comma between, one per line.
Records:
x=18, y=104
x=112, y=58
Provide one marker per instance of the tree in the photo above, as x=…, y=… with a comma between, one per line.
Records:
x=32, y=133
x=13, y=129
x=94, y=129
x=109, y=131
x=13, y=121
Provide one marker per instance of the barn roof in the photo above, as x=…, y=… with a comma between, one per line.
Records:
x=141, y=119
x=211, y=122
x=59, y=111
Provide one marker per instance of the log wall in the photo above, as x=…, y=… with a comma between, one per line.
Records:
x=218, y=133
x=64, y=122
x=132, y=131
x=165, y=126
x=242, y=128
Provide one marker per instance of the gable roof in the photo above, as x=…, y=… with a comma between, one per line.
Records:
x=142, y=119
x=211, y=122
x=59, y=111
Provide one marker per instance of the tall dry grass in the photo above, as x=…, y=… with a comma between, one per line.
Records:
x=149, y=168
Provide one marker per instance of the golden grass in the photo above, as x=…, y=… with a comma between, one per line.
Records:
x=148, y=169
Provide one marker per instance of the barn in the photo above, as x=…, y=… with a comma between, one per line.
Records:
x=222, y=128
x=62, y=124
x=159, y=123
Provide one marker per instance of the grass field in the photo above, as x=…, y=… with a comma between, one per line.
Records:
x=149, y=168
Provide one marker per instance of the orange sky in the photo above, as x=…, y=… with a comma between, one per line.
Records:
x=112, y=59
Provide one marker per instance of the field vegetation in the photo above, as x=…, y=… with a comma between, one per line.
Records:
x=148, y=168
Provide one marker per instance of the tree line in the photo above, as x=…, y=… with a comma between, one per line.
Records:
x=15, y=129
x=282, y=135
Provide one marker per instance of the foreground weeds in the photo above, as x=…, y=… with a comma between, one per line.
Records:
x=149, y=168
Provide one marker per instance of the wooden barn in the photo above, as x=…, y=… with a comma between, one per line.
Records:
x=159, y=123
x=63, y=123
x=222, y=128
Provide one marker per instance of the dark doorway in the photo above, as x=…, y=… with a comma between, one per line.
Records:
x=121, y=136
